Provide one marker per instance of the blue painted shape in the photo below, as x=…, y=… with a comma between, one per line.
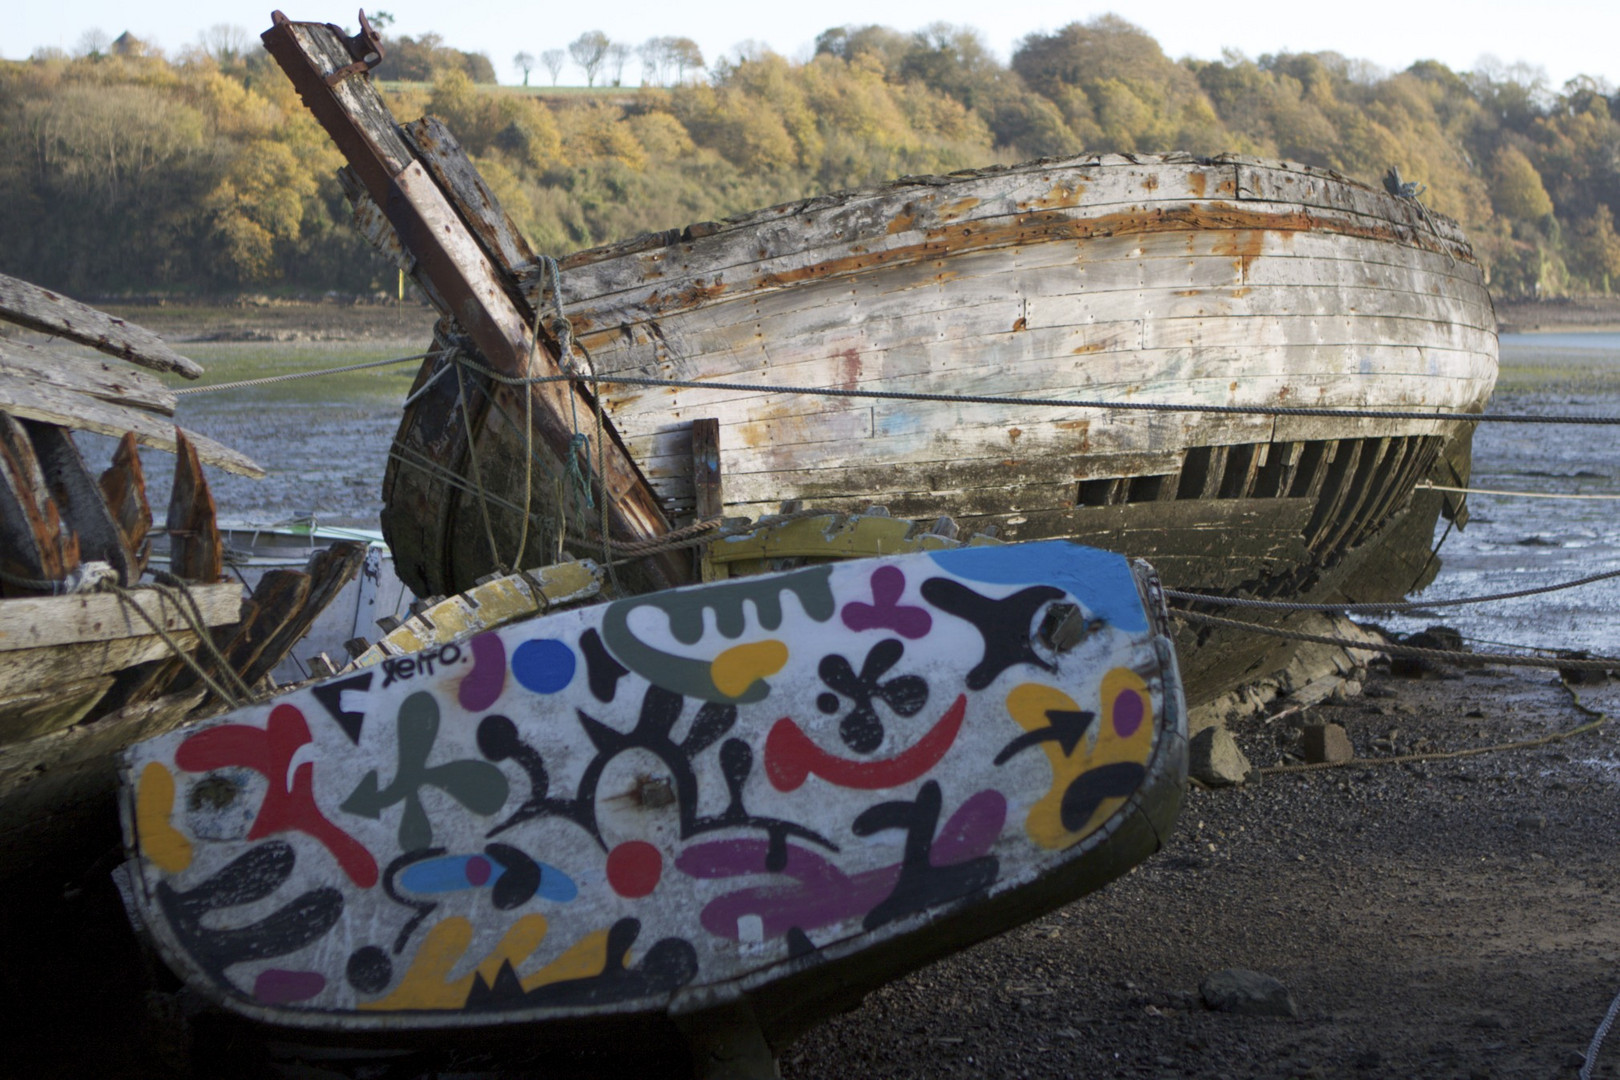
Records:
x=543, y=665
x=1100, y=580
x=447, y=874
x=556, y=885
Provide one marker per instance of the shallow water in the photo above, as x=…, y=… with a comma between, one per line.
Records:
x=324, y=443
x=1515, y=542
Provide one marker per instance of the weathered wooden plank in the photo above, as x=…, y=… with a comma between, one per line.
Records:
x=54, y=405
x=196, y=552
x=31, y=713
x=45, y=621
x=1322, y=188
x=328, y=570
x=96, y=378
x=123, y=489
x=1246, y=232
x=497, y=235
x=78, y=499
x=51, y=313
x=34, y=669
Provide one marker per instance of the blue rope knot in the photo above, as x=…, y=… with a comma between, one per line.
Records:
x=580, y=445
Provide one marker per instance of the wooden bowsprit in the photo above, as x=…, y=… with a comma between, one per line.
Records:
x=449, y=241
x=720, y=810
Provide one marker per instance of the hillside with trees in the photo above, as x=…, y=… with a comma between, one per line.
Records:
x=125, y=171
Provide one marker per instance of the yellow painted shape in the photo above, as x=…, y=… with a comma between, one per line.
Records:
x=735, y=670
x=584, y=958
x=427, y=983
x=160, y=841
x=1103, y=745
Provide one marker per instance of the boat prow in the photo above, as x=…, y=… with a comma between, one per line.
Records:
x=762, y=794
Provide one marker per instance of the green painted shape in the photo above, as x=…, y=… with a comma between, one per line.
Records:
x=477, y=785
x=685, y=607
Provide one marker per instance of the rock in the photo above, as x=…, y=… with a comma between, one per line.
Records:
x=1325, y=742
x=1213, y=758
x=1247, y=993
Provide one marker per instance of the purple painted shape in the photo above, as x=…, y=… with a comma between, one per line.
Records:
x=886, y=612
x=478, y=869
x=1128, y=712
x=972, y=829
x=820, y=894
x=487, y=678
x=275, y=986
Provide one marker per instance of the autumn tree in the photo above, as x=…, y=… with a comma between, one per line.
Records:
x=618, y=54
x=553, y=60
x=1516, y=188
x=524, y=62
x=589, y=50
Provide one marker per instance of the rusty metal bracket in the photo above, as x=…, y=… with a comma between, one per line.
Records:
x=365, y=47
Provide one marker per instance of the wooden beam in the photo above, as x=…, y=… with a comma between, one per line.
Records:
x=37, y=622
x=95, y=378
x=40, y=309
x=328, y=570
x=449, y=255
x=708, y=493
x=55, y=405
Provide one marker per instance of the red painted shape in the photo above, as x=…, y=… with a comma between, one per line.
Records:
x=790, y=756
x=633, y=868
x=268, y=751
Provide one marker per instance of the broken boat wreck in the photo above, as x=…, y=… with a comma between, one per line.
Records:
x=1163, y=289
x=100, y=644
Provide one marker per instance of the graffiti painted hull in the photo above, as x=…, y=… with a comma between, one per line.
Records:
x=766, y=793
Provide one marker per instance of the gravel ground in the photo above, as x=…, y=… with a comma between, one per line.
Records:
x=1454, y=919
x=1450, y=919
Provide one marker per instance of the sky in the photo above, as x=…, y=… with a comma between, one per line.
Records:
x=1565, y=38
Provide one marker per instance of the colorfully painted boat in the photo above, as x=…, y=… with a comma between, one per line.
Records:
x=723, y=808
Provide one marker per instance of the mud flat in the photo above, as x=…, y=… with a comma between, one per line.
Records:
x=263, y=319
x=1565, y=313
x=1451, y=919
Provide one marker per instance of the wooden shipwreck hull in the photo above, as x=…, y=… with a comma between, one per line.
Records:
x=1171, y=280
x=92, y=654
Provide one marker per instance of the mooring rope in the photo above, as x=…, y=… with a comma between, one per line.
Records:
x=1373, y=608
x=1047, y=402
x=1426, y=486
x=290, y=376
x=1391, y=649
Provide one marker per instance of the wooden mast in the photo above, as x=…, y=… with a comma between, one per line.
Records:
x=467, y=278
